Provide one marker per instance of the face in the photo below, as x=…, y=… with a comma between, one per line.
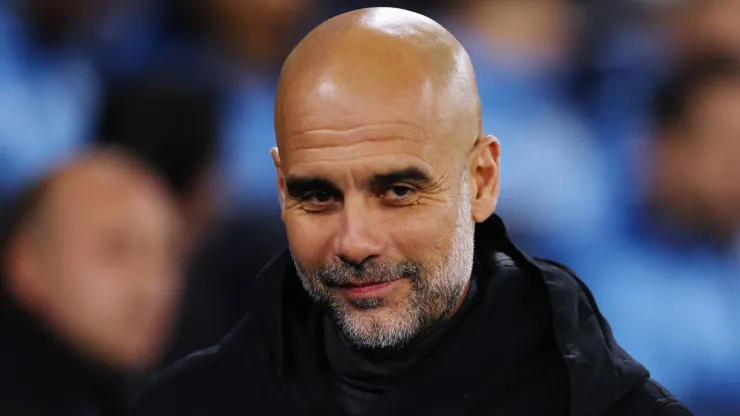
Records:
x=714, y=24
x=109, y=271
x=715, y=150
x=377, y=211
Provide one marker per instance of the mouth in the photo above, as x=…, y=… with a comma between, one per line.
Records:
x=363, y=290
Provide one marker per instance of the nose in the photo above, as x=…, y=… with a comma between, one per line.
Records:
x=359, y=238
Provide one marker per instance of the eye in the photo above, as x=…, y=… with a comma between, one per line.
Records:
x=318, y=197
x=397, y=192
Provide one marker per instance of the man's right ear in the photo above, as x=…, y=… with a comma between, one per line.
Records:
x=280, y=179
x=21, y=273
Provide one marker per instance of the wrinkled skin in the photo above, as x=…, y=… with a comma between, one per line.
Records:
x=383, y=171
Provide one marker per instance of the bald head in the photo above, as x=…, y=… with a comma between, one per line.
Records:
x=379, y=65
x=96, y=259
x=382, y=171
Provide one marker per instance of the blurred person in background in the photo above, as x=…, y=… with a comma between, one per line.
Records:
x=646, y=41
x=171, y=122
x=90, y=285
x=51, y=76
x=553, y=193
x=247, y=40
x=401, y=292
x=678, y=263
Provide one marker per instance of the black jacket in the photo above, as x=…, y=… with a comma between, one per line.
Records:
x=531, y=343
x=40, y=376
x=219, y=279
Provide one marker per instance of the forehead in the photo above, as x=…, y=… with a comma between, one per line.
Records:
x=111, y=200
x=381, y=124
x=379, y=141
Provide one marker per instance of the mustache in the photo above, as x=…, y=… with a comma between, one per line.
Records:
x=342, y=274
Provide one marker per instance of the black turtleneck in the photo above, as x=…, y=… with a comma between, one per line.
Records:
x=359, y=377
x=39, y=375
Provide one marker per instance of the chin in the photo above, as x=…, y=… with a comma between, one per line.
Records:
x=378, y=327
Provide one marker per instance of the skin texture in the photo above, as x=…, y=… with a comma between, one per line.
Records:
x=383, y=171
x=99, y=261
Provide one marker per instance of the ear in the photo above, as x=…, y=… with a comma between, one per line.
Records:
x=22, y=275
x=280, y=179
x=483, y=163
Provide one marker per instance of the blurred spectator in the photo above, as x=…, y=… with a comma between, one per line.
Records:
x=172, y=124
x=679, y=263
x=90, y=282
x=51, y=55
x=702, y=25
x=48, y=85
x=248, y=39
x=649, y=39
x=553, y=193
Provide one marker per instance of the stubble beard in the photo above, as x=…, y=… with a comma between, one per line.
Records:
x=385, y=323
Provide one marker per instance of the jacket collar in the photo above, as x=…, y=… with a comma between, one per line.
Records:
x=599, y=370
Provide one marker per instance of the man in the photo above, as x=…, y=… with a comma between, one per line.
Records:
x=89, y=289
x=391, y=300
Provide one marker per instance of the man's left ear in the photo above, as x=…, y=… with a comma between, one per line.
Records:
x=484, y=186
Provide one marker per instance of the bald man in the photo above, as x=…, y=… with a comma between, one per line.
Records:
x=401, y=293
x=90, y=280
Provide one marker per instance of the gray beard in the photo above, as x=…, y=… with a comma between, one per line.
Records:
x=435, y=291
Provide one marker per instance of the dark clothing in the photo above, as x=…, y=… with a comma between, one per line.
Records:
x=41, y=377
x=359, y=377
x=220, y=277
x=532, y=342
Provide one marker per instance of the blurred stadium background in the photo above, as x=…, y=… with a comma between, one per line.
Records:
x=619, y=122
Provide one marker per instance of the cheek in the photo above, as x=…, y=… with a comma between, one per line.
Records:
x=94, y=290
x=309, y=238
x=103, y=292
x=427, y=235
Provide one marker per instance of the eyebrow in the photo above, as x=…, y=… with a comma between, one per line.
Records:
x=411, y=174
x=297, y=185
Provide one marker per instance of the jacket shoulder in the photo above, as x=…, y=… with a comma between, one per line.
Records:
x=179, y=388
x=650, y=398
x=647, y=396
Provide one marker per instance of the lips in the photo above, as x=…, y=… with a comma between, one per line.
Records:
x=368, y=290
x=364, y=284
